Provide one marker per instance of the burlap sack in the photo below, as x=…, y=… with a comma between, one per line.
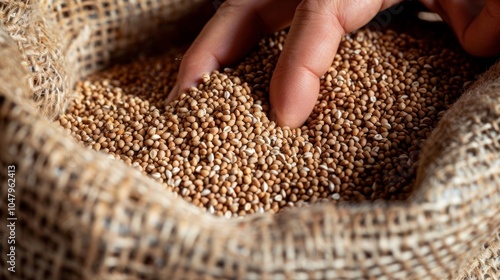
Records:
x=81, y=214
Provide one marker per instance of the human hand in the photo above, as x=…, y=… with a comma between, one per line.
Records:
x=315, y=33
x=476, y=23
x=317, y=27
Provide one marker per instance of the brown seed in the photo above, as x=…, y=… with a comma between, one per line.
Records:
x=215, y=146
x=136, y=147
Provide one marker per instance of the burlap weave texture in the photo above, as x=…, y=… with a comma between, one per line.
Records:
x=83, y=215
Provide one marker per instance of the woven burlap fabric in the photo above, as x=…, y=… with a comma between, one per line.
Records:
x=82, y=215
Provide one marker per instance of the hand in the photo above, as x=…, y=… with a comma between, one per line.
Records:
x=317, y=27
x=476, y=23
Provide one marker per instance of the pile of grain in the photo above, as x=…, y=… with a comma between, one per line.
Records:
x=216, y=148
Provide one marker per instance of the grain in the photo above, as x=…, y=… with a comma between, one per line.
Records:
x=215, y=146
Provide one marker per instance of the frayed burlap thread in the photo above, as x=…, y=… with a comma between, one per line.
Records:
x=83, y=215
x=41, y=53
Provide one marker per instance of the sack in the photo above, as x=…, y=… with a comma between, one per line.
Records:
x=80, y=214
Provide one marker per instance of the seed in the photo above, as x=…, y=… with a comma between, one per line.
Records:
x=136, y=147
x=205, y=192
x=216, y=147
x=331, y=186
x=234, y=141
x=153, y=154
x=248, y=206
x=265, y=186
x=185, y=192
x=177, y=183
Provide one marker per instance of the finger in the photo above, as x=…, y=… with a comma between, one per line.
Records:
x=475, y=30
x=311, y=45
x=217, y=44
x=459, y=12
x=232, y=32
x=482, y=36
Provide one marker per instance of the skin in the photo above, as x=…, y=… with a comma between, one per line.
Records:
x=316, y=28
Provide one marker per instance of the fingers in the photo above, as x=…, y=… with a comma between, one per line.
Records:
x=458, y=13
x=482, y=36
x=476, y=23
x=233, y=31
x=311, y=45
x=217, y=44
